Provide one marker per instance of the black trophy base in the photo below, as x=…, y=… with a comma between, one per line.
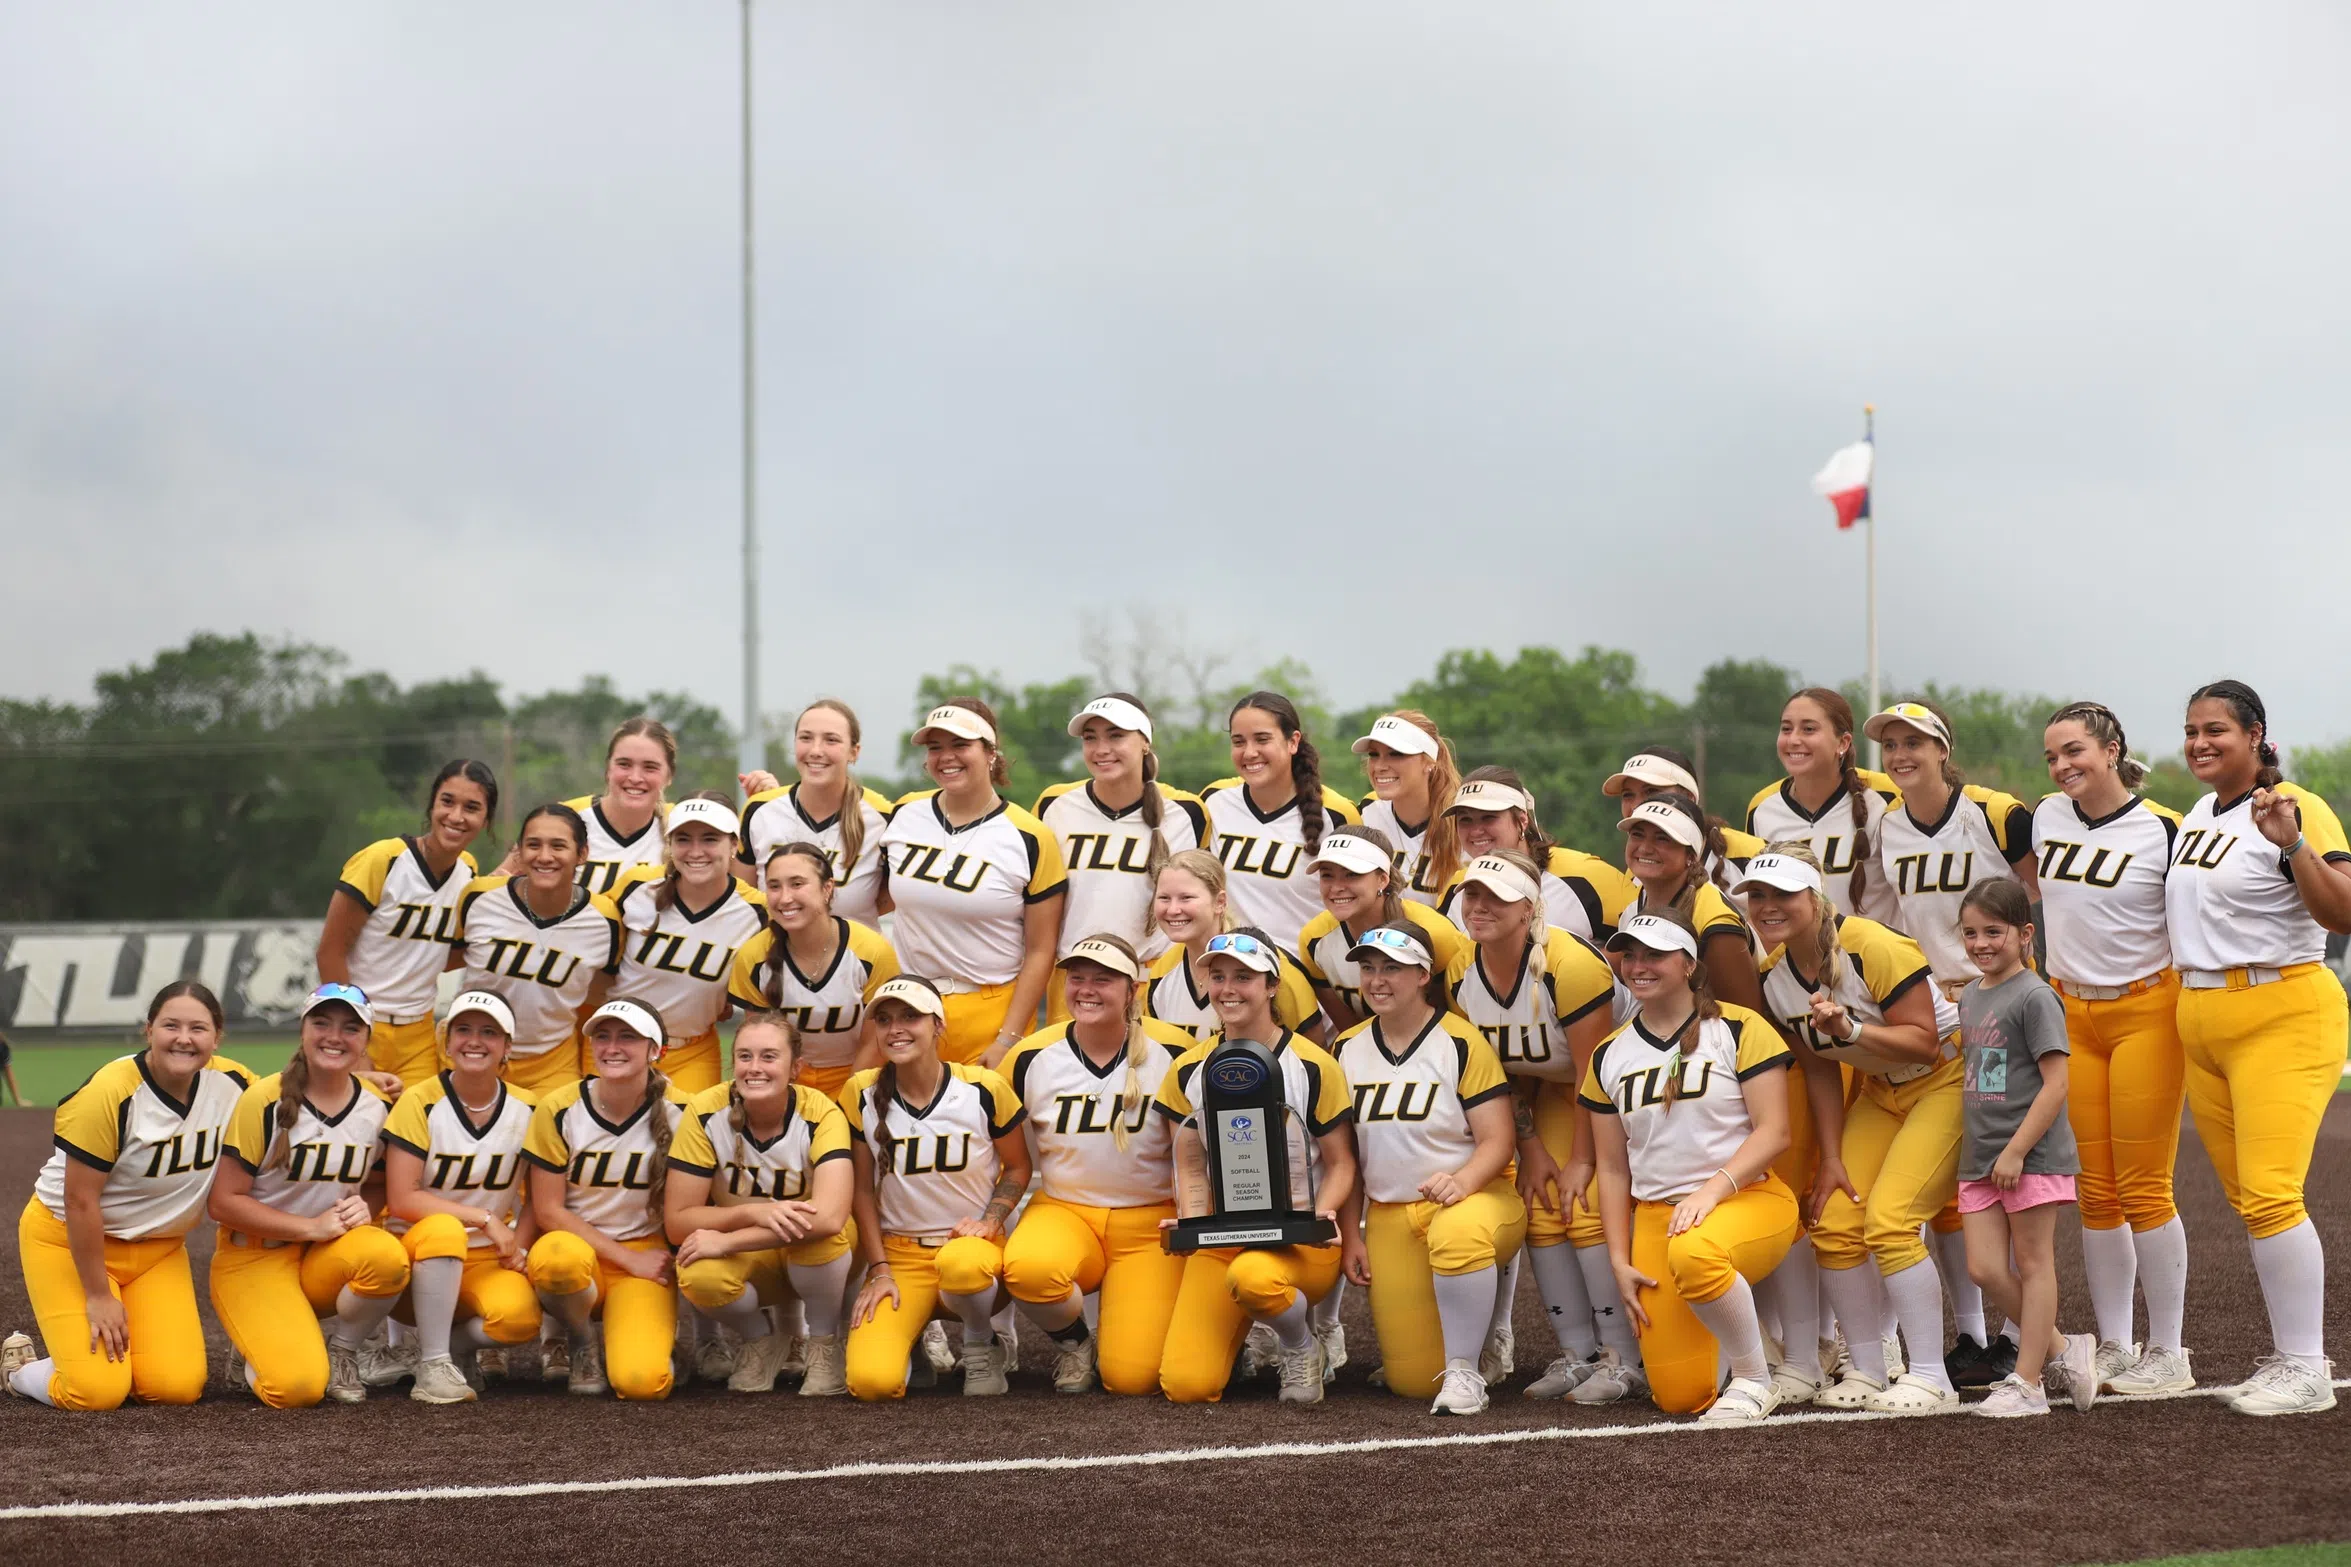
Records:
x=1251, y=1230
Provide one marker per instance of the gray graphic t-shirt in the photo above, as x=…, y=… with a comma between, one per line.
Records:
x=2003, y=1033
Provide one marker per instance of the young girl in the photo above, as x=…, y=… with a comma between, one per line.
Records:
x=295, y=1201
x=1689, y=1109
x=1832, y=806
x=1116, y=828
x=1356, y=871
x=758, y=1203
x=640, y=761
x=453, y=1189
x=103, y=1239
x=814, y=966
x=1544, y=999
x=2017, y=1167
x=599, y=1154
x=1225, y=1289
x=1668, y=844
x=683, y=926
x=826, y=740
x=1105, y=1174
x=1189, y=905
x=1582, y=893
x=1413, y=778
x=940, y=1165
x=2104, y=853
x=543, y=942
x=977, y=886
x=391, y=916
x=1433, y=1134
x=1268, y=821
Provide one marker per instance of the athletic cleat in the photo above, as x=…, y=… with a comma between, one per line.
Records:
x=1499, y=1357
x=1851, y=1391
x=1744, y=1402
x=438, y=1381
x=2285, y=1385
x=1791, y=1387
x=795, y=1355
x=1073, y=1365
x=2010, y=1399
x=714, y=1360
x=2113, y=1360
x=1463, y=1392
x=2081, y=1368
x=828, y=1369
x=936, y=1349
x=16, y=1353
x=385, y=1365
x=343, y=1383
x=758, y=1363
x=2156, y=1371
x=555, y=1359
x=487, y=1363
x=1964, y=1364
x=984, y=1363
x=1334, y=1349
x=1913, y=1394
x=1563, y=1376
x=1999, y=1360
x=1302, y=1372
x=1610, y=1381
x=585, y=1373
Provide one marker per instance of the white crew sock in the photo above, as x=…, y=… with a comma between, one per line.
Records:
x=742, y=1314
x=32, y=1380
x=1293, y=1325
x=356, y=1316
x=1608, y=1313
x=432, y=1293
x=822, y=1289
x=1917, y=1296
x=2293, y=1269
x=1326, y=1310
x=1505, y=1293
x=1561, y=1284
x=1465, y=1305
x=2163, y=1278
x=1794, y=1287
x=1967, y=1302
x=1730, y=1317
x=1856, y=1294
x=2112, y=1264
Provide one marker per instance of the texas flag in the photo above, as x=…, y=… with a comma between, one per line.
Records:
x=1845, y=481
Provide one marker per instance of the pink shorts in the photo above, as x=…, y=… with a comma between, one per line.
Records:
x=2032, y=1191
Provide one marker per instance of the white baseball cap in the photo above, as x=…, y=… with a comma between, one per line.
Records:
x=1501, y=878
x=1095, y=950
x=1398, y=735
x=1658, y=935
x=636, y=1015
x=914, y=991
x=1672, y=820
x=961, y=722
x=708, y=813
x=1395, y=945
x=1780, y=871
x=1115, y=710
x=487, y=1002
x=1487, y=795
x=1655, y=771
x=1352, y=852
x=1917, y=715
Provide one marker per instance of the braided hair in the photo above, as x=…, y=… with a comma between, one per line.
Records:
x=1839, y=713
x=1305, y=765
x=2244, y=705
x=2100, y=724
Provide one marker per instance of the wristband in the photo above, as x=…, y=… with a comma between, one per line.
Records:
x=2301, y=842
x=1725, y=1173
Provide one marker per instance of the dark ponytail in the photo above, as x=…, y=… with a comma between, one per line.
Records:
x=2244, y=704
x=778, y=937
x=1305, y=765
x=476, y=773
x=665, y=894
x=2098, y=721
x=1839, y=713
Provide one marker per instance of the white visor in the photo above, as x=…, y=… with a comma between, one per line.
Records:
x=911, y=991
x=1647, y=930
x=1672, y=820
x=636, y=1015
x=1112, y=710
x=1917, y=715
x=708, y=813
x=1095, y=950
x=1352, y=853
x=1396, y=946
x=488, y=1003
x=1246, y=950
x=1397, y=735
x=960, y=722
x=1501, y=878
x=1779, y=871
x=1655, y=771
x=1484, y=794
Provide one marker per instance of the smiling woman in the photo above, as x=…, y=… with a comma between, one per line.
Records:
x=682, y=926
x=639, y=761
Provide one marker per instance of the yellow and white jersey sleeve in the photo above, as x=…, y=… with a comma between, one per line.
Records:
x=403, y=944
x=1267, y=882
x=1108, y=853
x=775, y=817
x=1673, y=1149
x=961, y=894
x=1324, y=943
x=934, y=1164
x=1881, y=966
x=327, y=1157
x=1313, y=1086
x=475, y=1162
x=829, y=1006
x=1526, y=1020
x=2102, y=884
x=1415, y=880
x=1983, y=836
x=157, y=1152
x=607, y=1164
x=1172, y=993
x=1582, y=893
x=1775, y=817
x=1710, y=911
x=2231, y=901
x=1077, y=1112
x=742, y=1169
x=677, y=958
x=1412, y=1102
x=541, y=967
x=612, y=854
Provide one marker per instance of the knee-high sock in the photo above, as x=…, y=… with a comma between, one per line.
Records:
x=1561, y=1284
x=2163, y=1278
x=1293, y=1325
x=1967, y=1302
x=742, y=1314
x=822, y=1288
x=1325, y=1312
x=1828, y=1307
x=469, y=1338
x=1917, y=1296
x=1794, y=1287
x=1465, y=1305
x=356, y=1316
x=32, y=1380
x=791, y=1315
x=1064, y=1319
x=2293, y=1269
x=432, y=1293
x=1608, y=1313
x=573, y=1311
x=2112, y=1265
x=1856, y=1294
x=1730, y=1317
x=1505, y=1293
x=975, y=1311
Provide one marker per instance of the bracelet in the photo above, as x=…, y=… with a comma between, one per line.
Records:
x=1725, y=1173
x=2301, y=842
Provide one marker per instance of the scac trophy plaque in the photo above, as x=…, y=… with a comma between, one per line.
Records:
x=1258, y=1163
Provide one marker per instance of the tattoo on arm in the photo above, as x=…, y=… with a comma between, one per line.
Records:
x=1009, y=1185
x=1523, y=1108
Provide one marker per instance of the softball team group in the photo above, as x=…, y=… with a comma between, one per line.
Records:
x=1752, y=1108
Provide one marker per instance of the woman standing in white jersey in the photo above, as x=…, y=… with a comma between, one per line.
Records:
x=825, y=806
x=1832, y=805
x=1267, y=821
x=1413, y=779
x=682, y=925
x=624, y=831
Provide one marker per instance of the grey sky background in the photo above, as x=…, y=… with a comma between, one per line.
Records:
x=1344, y=332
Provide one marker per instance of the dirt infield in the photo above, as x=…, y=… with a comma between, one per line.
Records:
x=2127, y=1481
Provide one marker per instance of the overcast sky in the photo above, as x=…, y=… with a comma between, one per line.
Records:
x=1350, y=332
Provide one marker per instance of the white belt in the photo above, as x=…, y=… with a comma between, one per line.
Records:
x=1895, y=1077
x=402, y=1020
x=2234, y=978
x=956, y=987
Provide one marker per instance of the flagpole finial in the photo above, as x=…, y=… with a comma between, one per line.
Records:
x=1869, y=408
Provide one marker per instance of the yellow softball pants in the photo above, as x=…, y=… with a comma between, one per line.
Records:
x=411, y=1050
x=1410, y=1243
x=486, y=1288
x=1223, y=1290
x=974, y=1019
x=2127, y=1077
x=1744, y=1237
x=713, y=1282
x=2263, y=1063
x=1902, y=1154
x=158, y=1293
x=826, y=1080
x=878, y=1349
x=691, y=1067
x=547, y=1071
x=269, y=1297
x=640, y=1316
x=1555, y=1126
x=1064, y=1245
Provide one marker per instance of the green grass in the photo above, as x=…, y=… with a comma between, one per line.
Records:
x=2274, y=1556
x=48, y=1072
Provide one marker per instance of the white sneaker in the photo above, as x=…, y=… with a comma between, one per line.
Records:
x=2156, y=1371
x=795, y=1355
x=438, y=1381
x=1610, y=1381
x=343, y=1383
x=2113, y=1360
x=1499, y=1357
x=1334, y=1349
x=1850, y=1391
x=757, y=1364
x=984, y=1361
x=828, y=1369
x=2081, y=1369
x=2011, y=1399
x=1745, y=1402
x=936, y=1349
x=383, y=1365
x=1563, y=1376
x=1791, y=1387
x=16, y=1353
x=2286, y=1385
x=1302, y=1372
x=1912, y=1394
x=585, y=1365
x=1463, y=1392
x=715, y=1357
x=1073, y=1365
x=1260, y=1352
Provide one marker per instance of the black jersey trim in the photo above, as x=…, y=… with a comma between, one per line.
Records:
x=395, y=1140
x=624, y=840
x=939, y=810
x=514, y=892
x=2130, y=803
x=828, y=1156
x=1472, y=1101
x=157, y=1089
x=1785, y=1059
x=555, y=1169
x=356, y=896
x=83, y=1156
x=1903, y=988
x=690, y=1167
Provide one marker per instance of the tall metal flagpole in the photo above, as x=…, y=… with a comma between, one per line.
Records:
x=752, y=754
x=1869, y=433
